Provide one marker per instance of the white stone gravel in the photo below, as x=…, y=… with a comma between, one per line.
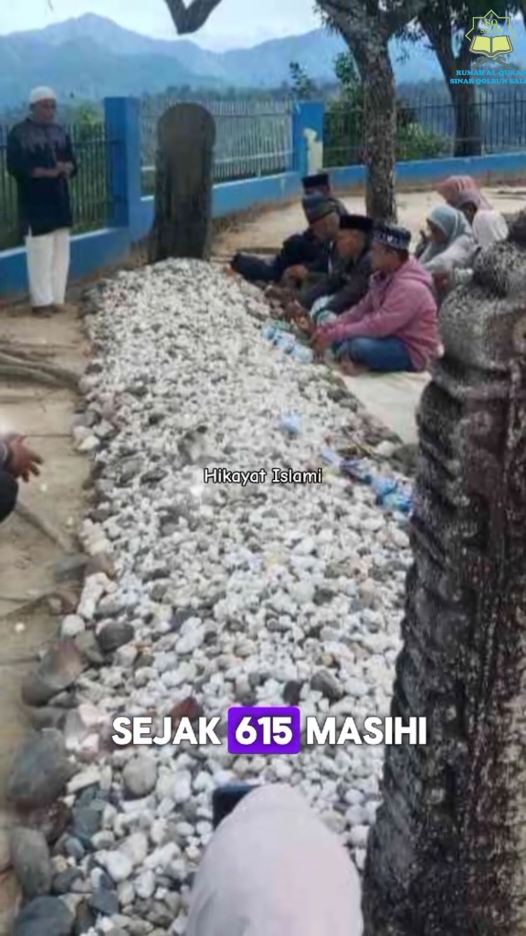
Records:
x=285, y=582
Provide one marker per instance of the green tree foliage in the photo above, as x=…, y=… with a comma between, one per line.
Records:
x=444, y=23
x=303, y=87
x=367, y=26
x=345, y=124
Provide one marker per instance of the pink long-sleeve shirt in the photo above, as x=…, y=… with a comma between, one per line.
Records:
x=401, y=305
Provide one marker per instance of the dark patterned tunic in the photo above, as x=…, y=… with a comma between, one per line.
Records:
x=43, y=204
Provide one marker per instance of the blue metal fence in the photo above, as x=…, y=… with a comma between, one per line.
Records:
x=253, y=138
x=90, y=190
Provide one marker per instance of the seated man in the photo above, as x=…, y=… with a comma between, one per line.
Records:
x=395, y=326
x=16, y=461
x=348, y=280
x=320, y=183
x=324, y=222
x=298, y=250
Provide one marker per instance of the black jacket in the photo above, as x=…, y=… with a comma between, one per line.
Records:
x=298, y=250
x=347, y=283
x=43, y=204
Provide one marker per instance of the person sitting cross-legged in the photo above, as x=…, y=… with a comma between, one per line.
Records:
x=395, y=326
x=345, y=284
x=300, y=252
x=319, y=183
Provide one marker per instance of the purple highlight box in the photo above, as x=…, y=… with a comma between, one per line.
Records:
x=259, y=730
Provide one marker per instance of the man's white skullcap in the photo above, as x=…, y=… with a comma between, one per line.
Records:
x=42, y=94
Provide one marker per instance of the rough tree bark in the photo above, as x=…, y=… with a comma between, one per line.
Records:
x=367, y=28
x=447, y=854
x=468, y=129
x=379, y=142
x=189, y=19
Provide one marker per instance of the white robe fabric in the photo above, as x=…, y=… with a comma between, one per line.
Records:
x=48, y=257
x=489, y=227
x=272, y=868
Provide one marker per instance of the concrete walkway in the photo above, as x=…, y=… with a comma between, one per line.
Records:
x=394, y=398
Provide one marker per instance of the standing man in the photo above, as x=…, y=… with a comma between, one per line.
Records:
x=40, y=157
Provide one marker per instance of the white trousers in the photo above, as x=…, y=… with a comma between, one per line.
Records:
x=273, y=869
x=48, y=267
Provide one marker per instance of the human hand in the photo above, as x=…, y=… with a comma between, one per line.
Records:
x=442, y=280
x=293, y=310
x=321, y=340
x=298, y=272
x=65, y=168
x=23, y=462
x=45, y=173
x=304, y=324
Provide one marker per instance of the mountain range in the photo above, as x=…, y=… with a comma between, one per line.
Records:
x=92, y=57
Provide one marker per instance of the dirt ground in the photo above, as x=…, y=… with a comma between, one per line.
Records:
x=27, y=556
x=271, y=228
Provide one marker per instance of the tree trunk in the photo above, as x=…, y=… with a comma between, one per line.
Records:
x=468, y=130
x=446, y=856
x=376, y=73
x=183, y=184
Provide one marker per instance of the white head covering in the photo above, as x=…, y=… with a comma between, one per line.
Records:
x=274, y=867
x=42, y=94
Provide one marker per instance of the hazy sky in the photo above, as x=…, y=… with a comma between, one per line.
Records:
x=234, y=23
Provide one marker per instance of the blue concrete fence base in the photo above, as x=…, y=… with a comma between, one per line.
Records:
x=130, y=216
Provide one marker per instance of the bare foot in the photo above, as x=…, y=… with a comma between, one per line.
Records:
x=350, y=369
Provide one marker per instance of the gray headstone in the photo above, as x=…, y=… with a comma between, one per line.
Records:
x=183, y=184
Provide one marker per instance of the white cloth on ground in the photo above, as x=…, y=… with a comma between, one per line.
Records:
x=48, y=258
x=272, y=868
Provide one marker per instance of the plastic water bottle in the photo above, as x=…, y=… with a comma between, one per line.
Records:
x=330, y=457
x=303, y=354
x=268, y=332
x=290, y=424
x=383, y=487
x=357, y=469
x=399, y=501
x=285, y=341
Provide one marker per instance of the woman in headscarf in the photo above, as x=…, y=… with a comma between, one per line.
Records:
x=451, y=190
x=488, y=225
x=451, y=242
x=455, y=186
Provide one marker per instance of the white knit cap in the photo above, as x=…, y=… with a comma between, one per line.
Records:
x=42, y=94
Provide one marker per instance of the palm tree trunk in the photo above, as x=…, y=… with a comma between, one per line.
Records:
x=447, y=856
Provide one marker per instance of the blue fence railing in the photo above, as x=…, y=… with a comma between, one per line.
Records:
x=253, y=138
x=255, y=168
x=90, y=190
